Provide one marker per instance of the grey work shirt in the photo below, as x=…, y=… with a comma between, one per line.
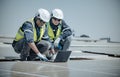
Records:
x=28, y=33
x=65, y=29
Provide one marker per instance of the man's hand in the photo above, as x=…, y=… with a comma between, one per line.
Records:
x=43, y=58
x=56, y=42
x=52, y=51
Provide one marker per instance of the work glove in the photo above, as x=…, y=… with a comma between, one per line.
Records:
x=53, y=57
x=42, y=58
x=56, y=42
x=59, y=47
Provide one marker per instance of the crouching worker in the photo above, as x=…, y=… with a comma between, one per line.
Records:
x=58, y=31
x=29, y=37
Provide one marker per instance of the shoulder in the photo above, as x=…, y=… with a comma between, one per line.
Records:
x=64, y=24
x=29, y=22
x=63, y=21
x=27, y=25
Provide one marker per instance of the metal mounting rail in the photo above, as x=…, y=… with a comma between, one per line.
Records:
x=111, y=55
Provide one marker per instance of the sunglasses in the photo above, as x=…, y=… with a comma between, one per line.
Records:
x=42, y=20
x=56, y=19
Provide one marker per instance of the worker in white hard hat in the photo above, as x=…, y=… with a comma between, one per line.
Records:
x=29, y=38
x=58, y=31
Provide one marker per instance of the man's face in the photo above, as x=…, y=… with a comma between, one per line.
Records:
x=40, y=22
x=55, y=21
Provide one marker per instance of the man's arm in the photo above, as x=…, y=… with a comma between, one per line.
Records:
x=66, y=30
x=33, y=47
x=28, y=34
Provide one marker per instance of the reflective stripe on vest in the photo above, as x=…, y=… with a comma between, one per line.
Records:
x=20, y=33
x=51, y=33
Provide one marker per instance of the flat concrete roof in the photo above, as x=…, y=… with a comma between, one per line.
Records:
x=94, y=66
x=72, y=68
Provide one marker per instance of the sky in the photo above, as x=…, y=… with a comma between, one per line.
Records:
x=96, y=18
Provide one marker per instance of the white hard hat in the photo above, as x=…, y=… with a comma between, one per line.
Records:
x=43, y=15
x=57, y=13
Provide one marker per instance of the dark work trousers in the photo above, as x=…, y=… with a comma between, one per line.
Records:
x=64, y=44
x=26, y=53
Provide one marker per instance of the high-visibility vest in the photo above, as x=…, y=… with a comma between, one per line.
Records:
x=20, y=33
x=51, y=33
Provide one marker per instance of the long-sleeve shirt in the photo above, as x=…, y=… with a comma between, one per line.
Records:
x=66, y=30
x=28, y=32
